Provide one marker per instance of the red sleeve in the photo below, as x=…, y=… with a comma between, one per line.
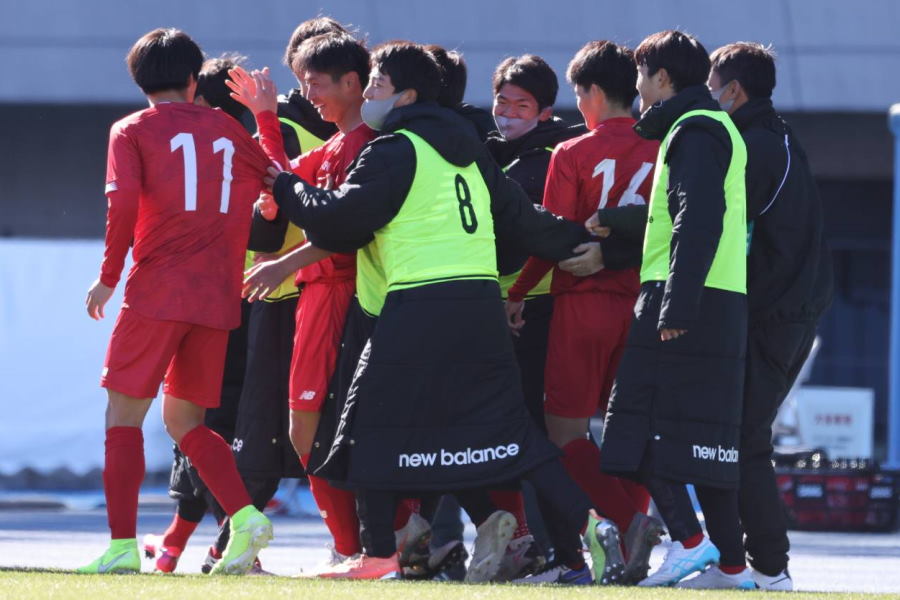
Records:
x=308, y=165
x=534, y=270
x=561, y=187
x=270, y=138
x=123, y=191
x=560, y=197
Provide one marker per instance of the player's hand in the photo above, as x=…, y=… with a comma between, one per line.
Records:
x=254, y=90
x=262, y=279
x=593, y=226
x=97, y=297
x=514, y=316
x=588, y=261
x=670, y=334
x=267, y=207
x=272, y=174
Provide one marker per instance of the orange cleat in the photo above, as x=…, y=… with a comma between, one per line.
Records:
x=365, y=567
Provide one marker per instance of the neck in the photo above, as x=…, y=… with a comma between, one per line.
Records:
x=167, y=96
x=351, y=118
x=611, y=112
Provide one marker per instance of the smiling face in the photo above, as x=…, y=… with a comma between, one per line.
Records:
x=331, y=97
x=651, y=88
x=518, y=111
x=380, y=86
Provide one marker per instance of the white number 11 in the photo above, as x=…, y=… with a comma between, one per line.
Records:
x=185, y=141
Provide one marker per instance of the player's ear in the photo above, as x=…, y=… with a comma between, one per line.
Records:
x=545, y=114
x=407, y=97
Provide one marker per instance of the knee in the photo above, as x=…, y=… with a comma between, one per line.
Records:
x=178, y=425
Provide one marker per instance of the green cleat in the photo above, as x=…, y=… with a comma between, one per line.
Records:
x=121, y=557
x=250, y=533
x=602, y=539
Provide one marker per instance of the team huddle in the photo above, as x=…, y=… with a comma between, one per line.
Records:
x=438, y=299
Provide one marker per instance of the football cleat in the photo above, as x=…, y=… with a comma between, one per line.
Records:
x=561, y=575
x=250, y=532
x=522, y=558
x=412, y=544
x=122, y=556
x=643, y=534
x=778, y=583
x=681, y=562
x=714, y=579
x=491, y=539
x=166, y=556
x=602, y=539
x=365, y=567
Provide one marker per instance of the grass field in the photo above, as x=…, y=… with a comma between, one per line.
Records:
x=25, y=584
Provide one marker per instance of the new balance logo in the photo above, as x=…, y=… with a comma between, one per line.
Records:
x=308, y=395
x=461, y=458
x=719, y=454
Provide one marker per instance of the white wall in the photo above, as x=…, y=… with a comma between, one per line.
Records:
x=51, y=352
x=834, y=54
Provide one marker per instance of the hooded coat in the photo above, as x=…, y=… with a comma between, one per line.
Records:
x=676, y=406
x=436, y=402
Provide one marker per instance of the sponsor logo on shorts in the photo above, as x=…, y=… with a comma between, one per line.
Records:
x=468, y=456
x=718, y=454
x=308, y=395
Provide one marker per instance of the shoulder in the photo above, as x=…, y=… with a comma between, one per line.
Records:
x=129, y=124
x=699, y=133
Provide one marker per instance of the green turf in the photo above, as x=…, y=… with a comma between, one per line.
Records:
x=24, y=584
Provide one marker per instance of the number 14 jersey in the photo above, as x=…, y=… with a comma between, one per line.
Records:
x=609, y=166
x=180, y=182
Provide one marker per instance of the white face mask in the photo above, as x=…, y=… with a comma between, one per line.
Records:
x=726, y=106
x=512, y=129
x=374, y=112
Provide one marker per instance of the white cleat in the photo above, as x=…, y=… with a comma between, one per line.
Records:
x=714, y=579
x=779, y=583
x=681, y=562
x=491, y=539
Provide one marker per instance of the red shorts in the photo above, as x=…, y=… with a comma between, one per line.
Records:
x=321, y=312
x=587, y=337
x=143, y=352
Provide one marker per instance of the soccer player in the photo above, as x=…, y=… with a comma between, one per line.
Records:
x=186, y=487
x=437, y=404
x=525, y=89
x=335, y=69
x=454, y=75
x=607, y=167
x=675, y=414
x=789, y=286
x=180, y=182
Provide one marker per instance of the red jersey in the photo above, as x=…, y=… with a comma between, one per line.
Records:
x=609, y=166
x=181, y=180
x=316, y=167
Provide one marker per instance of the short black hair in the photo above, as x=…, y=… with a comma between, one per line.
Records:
x=334, y=53
x=680, y=54
x=751, y=64
x=164, y=59
x=454, y=75
x=409, y=66
x=608, y=66
x=531, y=73
x=211, y=84
x=307, y=29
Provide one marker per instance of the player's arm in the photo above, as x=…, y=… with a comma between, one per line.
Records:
x=263, y=278
x=369, y=198
x=122, y=195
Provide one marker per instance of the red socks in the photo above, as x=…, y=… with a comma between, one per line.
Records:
x=123, y=473
x=178, y=533
x=732, y=569
x=582, y=461
x=214, y=462
x=405, y=509
x=693, y=541
x=338, y=510
x=512, y=502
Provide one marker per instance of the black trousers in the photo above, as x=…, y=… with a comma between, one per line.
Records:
x=775, y=354
x=531, y=354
